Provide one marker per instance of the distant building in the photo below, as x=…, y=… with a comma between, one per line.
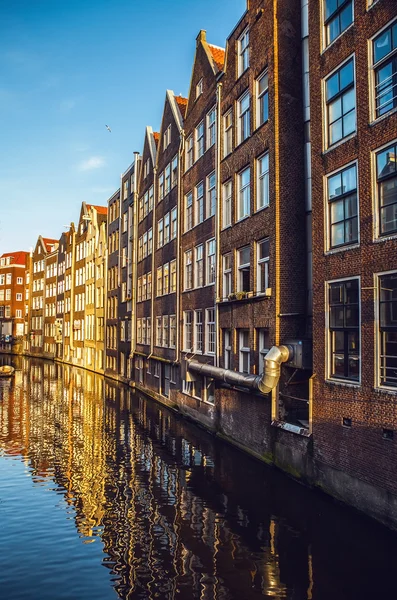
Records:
x=13, y=268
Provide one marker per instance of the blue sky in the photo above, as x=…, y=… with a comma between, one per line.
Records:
x=67, y=68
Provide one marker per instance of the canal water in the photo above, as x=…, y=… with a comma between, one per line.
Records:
x=105, y=494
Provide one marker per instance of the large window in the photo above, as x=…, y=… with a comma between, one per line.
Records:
x=187, y=331
x=244, y=351
x=386, y=174
x=188, y=211
x=211, y=128
x=174, y=222
x=198, y=330
x=388, y=329
x=262, y=174
x=227, y=204
x=188, y=270
x=199, y=266
x=385, y=67
x=244, y=194
x=199, y=190
x=244, y=270
x=262, y=103
x=344, y=322
x=243, y=118
x=338, y=17
x=263, y=347
x=174, y=171
x=243, y=53
x=227, y=348
x=262, y=273
x=210, y=267
x=227, y=133
x=227, y=274
x=341, y=103
x=342, y=203
x=210, y=336
x=211, y=195
x=189, y=152
x=199, y=140
x=173, y=276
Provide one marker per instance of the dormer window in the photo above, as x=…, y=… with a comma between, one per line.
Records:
x=199, y=88
x=243, y=57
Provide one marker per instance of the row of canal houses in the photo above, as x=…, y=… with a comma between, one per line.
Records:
x=260, y=217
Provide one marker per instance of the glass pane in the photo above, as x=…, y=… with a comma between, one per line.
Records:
x=337, y=213
x=354, y=367
x=330, y=7
x=263, y=249
x=244, y=103
x=388, y=287
x=245, y=339
x=337, y=235
x=263, y=84
x=335, y=186
x=332, y=86
x=262, y=277
x=338, y=341
x=335, y=132
x=351, y=291
x=335, y=110
x=351, y=316
x=349, y=101
x=346, y=75
x=388, y=219
x=245, y=280
x=245, y=178
x=338, y=367
x=333, y=29
x=244, y=255
x=336, y=316
x=351, y=206
x=382, y=45
x=346, y=16
x=351, y=231
x=386, y=161
x=388, y=192
x=349, y=123
x=353, y=342
x=388, y=314
x=349, y=179
x=336, y=292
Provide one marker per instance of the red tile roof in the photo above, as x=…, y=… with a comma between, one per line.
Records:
x=218, y=54
x=20, y=257
x=49, y=242
x=101, y=210
x=182, y=103
x=156, y=137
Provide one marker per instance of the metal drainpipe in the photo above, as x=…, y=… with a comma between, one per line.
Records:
x=72, y=276
x=153, y=261
x=178, y=248
x=134, y=257
x=217, y=218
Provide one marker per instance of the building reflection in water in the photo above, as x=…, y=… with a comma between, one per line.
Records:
x=179, y=514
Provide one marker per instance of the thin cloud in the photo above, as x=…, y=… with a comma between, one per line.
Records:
x=95, y=162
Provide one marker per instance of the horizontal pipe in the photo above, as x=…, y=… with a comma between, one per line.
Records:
x=263, y=383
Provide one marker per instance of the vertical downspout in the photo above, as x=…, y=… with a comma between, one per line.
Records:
x=134, y=256
x=154, y=279
x=276, y=197
x=72, y=298
x=307, y=150
x=178, y=247
x=218, y=218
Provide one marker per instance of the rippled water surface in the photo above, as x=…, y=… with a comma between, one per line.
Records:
x=104, y=494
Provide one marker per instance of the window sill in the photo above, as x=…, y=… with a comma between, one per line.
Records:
x=383, y=117
x=251, y=296
x=385, y=238
x=370, y=6
x=387, y=391
x=344, y=383
x=337, y=144
x=341, y=249
x=336, y=39
x=242, y=219
x=261, y=208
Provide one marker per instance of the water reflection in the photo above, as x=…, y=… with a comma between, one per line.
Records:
x=177, y=514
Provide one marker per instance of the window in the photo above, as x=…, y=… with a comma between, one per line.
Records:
x=243, y=118
x=167, y=178
x=341, y=103
x=187, y=330
x=227, y=133
x=227, y=274
x=210, y=336
x=344, y=329
x=19, y=281
x=18, y=313
x=172, y=331
x=262, y=104
x=2, y=278
x=167, y=137
x=9, y=278
x=165, y=331
x=159, y=331
x=166, y=228
x=243, y=263
x=243, y=53
x=211, y=128
x=199, y=140
x=174, y=171
x=342, y=204
x=151, y=196
x=174, y=223
x=338, y=17
x=385, y=69
x=188, y=211
x=199, y=88
x=244, y=351
x=262, y=274
x=149, y=286
x=18, y=297
x=386, y=175
x=161, y=186
x=388, y=329
x=210, y=266
x=244, y=194
x=199, y=191
x=189, y=152
x=146, y=168
x=199, y=266
x=166, y=278
x=188, y=270
x=159, y=281
x=227, y=204
x=1, y=295
x=211, y=195
x=198, y=331
x=8, y=294
x=173, y=276
x=263, y=347
x=160, y=233
x=262, y=173
x=227, y=348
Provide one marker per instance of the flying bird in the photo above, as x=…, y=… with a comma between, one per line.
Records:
x=108, y=128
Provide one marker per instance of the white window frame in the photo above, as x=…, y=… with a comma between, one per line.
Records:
x=339, y=95
x=227, y=132
x=199, y=203
x=199, y=266
x=262, y=98
x=211, y=127
x=189, y=152
x=210, y=331
x=211, y=195
x=198, y=331
x=210, y=267
x=259, y=262
x=227, y=280
x=243, y=351
x=262, y=182
x=243, y=57
x=188, y=270
x=227, y=189
x=187, y=322
x=189, y=211
x=243, y=118
x=242, y=267
x=199, y=140
x=243, y=195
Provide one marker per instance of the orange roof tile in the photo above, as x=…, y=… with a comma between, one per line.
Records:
x=218, y=54
x=19, y=257
x=182, y=103
x=49, y=242
x=101, y=210
x=156, y=137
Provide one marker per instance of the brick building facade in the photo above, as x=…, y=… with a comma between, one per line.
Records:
x=13, y=268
